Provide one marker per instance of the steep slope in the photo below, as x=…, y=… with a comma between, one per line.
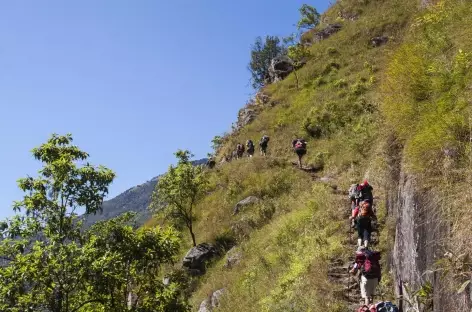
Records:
x=387, y=98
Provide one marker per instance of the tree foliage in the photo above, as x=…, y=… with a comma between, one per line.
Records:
x=310, y=18
x=179, y=190
x=51, y=264
x=297, y=52
x=262, y=53
x=124, y=266
x=216, y=143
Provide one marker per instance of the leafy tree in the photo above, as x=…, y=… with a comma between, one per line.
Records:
x=124, y=266
x=298, y=53
x=310, y=18
x=49, y=263
x=179, y=190
x=216, y=143
x=42, y=245
x=262, y=53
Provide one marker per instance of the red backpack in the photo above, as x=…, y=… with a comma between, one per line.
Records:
x=371, y=266
x=367, y=309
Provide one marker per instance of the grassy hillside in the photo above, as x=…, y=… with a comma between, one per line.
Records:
x=354, y=102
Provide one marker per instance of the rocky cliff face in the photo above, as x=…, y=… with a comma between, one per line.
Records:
x=420, y=237
x=136, y=199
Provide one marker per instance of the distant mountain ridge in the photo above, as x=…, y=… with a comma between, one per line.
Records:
x=136, y=199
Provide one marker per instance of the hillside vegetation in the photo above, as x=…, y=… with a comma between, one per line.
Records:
x=362, y=109
x=381, y=90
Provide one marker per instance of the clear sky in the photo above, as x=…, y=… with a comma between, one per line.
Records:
x=133, y=81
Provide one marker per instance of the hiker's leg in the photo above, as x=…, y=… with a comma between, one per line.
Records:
x=363, y=285
x=366, y=237
x=359, y=234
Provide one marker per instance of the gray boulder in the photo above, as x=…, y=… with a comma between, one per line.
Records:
x=251, y=200
x=280, y=68
x=327, y=32
x=212, y=302
x=205, y=306
x=233, y=257
x=378, y=41
x=216, y=296
x=245, y=116
x=196, y=258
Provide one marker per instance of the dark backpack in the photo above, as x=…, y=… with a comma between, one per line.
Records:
x=265, y=139
x=386, y=306
x=249, y=144
x=366, y=192
x=240, y=148
x=371, y=266
x=354, y=192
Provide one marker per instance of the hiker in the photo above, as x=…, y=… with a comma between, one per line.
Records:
x=354, y=195
x=365, y=191
x=211, y=162
x=363, y=215
x=263, y=145
x=239, y=150
x=367, y=262
x=250, y=148
x=299, y=146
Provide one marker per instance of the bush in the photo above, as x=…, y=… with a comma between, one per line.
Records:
x=341, y=83
x=325, y=119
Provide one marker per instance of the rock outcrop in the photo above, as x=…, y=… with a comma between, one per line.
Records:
x=378, y=41
x=418, y=236
x=251, y=200
x=233, y=257
x=280, y=68
x=245, y=116
x=327, y=32
x=212, y=302
x=251, y=110
x=196, y=258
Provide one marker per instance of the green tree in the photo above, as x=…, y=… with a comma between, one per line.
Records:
x=179, y=190
x=310, y=18
x=262, y=53
x=216, y=143
x=42, y=244
x=298, y=53
x=124, y=266
x=51, y=264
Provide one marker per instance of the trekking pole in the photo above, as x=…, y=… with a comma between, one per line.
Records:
x=348, y=284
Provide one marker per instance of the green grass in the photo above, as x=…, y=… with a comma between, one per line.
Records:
x=353, y=102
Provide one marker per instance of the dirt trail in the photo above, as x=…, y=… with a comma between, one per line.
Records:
x=338, y=272
x=348, y=288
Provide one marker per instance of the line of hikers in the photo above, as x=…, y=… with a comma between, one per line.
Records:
x=367, y=262
x=299, y=147
x=238, y=153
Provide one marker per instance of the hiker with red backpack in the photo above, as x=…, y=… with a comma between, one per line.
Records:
x=362, y=216
x=368, y=264
x=299, y=147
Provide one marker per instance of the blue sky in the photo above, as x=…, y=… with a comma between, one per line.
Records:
x=133, y=81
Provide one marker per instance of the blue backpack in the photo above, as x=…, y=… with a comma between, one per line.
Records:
x=386, y=306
